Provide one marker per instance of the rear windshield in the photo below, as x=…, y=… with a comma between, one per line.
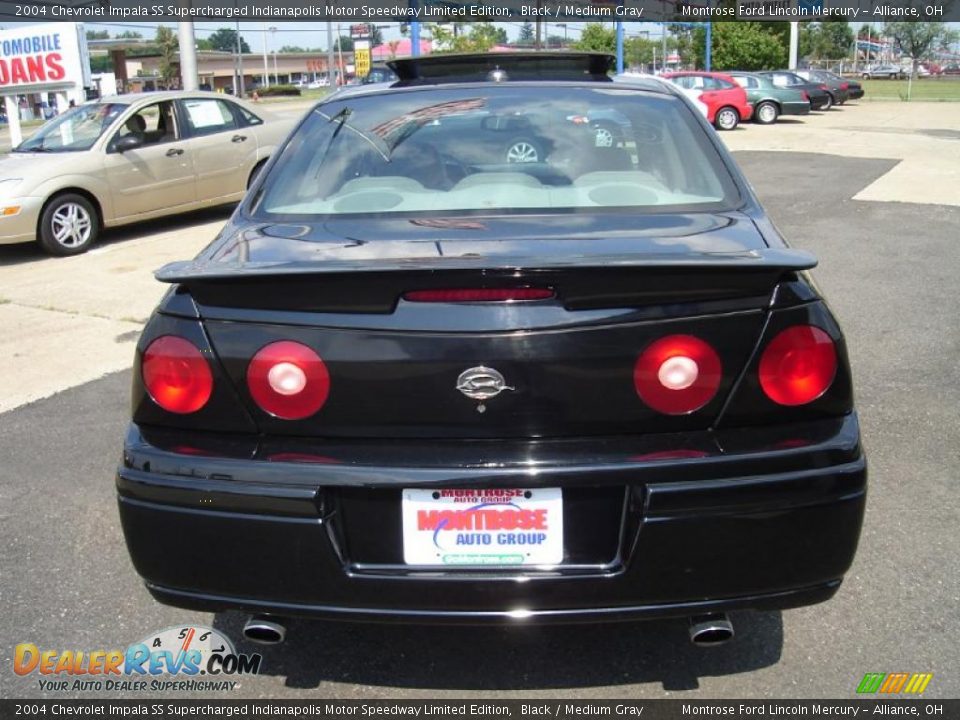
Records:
x=497, y=149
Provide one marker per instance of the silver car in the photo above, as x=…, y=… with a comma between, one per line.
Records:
x=129, y=158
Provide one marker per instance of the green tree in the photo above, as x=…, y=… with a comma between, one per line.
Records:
x=225, y=40
x=167, y=43
x=746, y=46
x=344, y=42
x=680, y=39
x=826, y=41
x=481, y=37
x=129, y=35
x=98, y=34
x=919, y=40
x=101, y=63
x=597, y=38
x=639, y=51
x=526, y=34
x=292, y=49
x=376, y=36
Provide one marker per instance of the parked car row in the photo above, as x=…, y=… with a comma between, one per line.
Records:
x=734, y=97
x=891, y=71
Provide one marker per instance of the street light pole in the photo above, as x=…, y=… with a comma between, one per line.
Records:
x=266, y=69
x=330, y=54
x=273, y=45
x=241, y=90
x=188, y=57
x=794, y=44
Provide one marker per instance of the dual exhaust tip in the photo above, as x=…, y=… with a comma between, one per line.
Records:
x=707, y=630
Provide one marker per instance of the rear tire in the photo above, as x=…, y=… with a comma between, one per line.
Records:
x=605, y=136
x=523, y=150
x=829, y=103
x=727, y=118
x=69, y=225
x=255, y=172
x=766, y=113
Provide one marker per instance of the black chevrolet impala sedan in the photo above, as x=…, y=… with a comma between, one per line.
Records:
x=418, y=377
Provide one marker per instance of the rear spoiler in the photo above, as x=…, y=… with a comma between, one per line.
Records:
x=498, y=67
x=767, y=261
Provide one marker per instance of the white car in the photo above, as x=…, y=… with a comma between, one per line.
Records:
x=692, y=93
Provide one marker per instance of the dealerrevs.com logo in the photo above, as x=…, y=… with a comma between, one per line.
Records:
x=178, y=658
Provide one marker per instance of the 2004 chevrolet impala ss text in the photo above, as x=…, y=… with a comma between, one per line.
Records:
x=454, y=359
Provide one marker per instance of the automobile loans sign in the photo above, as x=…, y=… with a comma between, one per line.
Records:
x=50, y=56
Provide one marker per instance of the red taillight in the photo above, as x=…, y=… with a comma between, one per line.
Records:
x=288, y=380
x=844, y=86
x=455, y=295
x=805, y=96
x=176, y=374
x=798, y=365
x=677, y=374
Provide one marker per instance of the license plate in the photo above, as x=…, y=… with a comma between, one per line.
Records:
x=490, y=527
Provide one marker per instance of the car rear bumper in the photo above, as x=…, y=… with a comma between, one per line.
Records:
x=760, y=518
x=855, y=94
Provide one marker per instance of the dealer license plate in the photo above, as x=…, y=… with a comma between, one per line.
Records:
x=490, y=527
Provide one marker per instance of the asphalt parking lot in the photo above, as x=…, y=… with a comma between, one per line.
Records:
x=888, y=269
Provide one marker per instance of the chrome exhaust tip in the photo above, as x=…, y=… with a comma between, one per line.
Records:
x=265, y=630
x=710, y=630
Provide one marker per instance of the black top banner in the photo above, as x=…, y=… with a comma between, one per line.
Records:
x=482, y=709
x=487, y=10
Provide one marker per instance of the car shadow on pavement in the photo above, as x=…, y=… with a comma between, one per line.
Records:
x=509, y=658
x=27, y=252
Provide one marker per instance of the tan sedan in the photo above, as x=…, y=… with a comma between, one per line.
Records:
x=129, y=158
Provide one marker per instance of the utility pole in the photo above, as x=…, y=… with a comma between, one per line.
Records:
x=343, y=79
x=619, y=47
x=266, y=68
x=794, y=44
x=414, y=34
x=708, y=48
x=188, y=57
x=330, y=53
x=536, y=43
x=663, y=46
x=241, y=90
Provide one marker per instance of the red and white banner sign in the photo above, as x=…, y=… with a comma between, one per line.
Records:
x=37, y=57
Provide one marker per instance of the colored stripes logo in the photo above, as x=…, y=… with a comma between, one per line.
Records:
x=894, y=683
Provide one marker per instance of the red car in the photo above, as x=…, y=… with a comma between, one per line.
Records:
x=726, y=101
